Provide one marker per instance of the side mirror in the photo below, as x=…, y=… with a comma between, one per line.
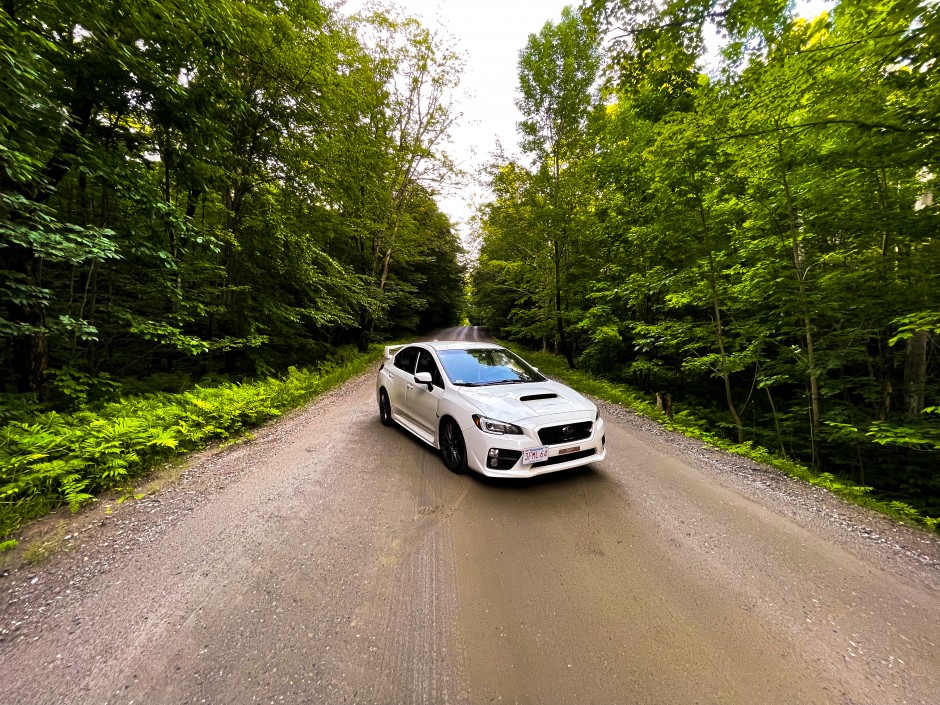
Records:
x=425, y=378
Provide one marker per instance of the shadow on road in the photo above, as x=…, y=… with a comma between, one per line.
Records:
x=586, y=474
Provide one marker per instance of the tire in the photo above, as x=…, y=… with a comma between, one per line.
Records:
x=453, y=448
x=385, y=408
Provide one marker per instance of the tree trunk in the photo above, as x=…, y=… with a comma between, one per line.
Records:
x=664, y=403
x=31, y=356
x=719, y=333
x=915, y=373
x=234, y=199
x=806, y=320
x=773, y=409
x=30, y=350
x=556, y=256
x=559, y=323
x=725, y=376
x=365, y=331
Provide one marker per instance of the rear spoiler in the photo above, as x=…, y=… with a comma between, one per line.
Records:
x=390, y=350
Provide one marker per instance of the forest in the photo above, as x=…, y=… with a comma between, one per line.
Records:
x=215, y=188
x=208, y=208
x=205, y=192
x=731, y=206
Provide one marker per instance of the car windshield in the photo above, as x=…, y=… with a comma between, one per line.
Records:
x=485, y=366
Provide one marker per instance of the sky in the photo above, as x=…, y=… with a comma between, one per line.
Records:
x=490, y=34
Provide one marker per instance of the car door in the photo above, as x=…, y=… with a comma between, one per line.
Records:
x=421, y=401
x=402, y=374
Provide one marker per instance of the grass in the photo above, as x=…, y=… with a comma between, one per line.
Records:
x=43, y=547
x=687, y=424
x=53, y=459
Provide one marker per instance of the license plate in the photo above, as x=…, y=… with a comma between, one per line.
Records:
x=572, y=449
x=535, y=455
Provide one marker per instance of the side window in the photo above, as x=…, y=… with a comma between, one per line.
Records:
x=405, y=360
x=426, y=364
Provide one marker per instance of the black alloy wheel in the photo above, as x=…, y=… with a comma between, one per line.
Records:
x=385, y=408
x=453, y=449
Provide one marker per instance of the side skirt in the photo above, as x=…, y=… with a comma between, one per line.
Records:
x=416, y=430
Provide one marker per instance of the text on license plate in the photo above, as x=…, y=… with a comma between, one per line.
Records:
x=535, y=455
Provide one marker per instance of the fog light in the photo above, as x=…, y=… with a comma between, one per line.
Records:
x=502, y=459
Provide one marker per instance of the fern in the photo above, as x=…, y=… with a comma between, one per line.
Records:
x=52, y=459
x=73, y=490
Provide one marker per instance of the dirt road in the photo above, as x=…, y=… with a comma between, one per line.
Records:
x=333, y=560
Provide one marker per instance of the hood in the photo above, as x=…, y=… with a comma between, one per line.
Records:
x=516, y=402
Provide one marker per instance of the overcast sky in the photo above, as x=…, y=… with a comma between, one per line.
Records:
x=490, y=33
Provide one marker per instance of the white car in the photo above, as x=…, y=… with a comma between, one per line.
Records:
x=487, y=409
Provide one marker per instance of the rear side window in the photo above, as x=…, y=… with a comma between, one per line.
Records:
x=406, y=359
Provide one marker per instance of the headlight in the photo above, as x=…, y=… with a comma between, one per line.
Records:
x=500, y=428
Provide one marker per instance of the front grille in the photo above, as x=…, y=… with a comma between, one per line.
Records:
x=553, y=435
x=556, y=459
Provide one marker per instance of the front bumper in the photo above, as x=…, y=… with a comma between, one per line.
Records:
x=479, y=444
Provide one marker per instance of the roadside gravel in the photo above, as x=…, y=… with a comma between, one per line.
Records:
x=84, y=548
x=908, y=551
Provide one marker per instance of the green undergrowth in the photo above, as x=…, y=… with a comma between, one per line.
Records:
x=54, y=459
x=685, y=422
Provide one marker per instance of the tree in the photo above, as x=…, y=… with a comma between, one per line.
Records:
x=420, y=73
x=762, y=229
x=557, y=72
x=189, y=189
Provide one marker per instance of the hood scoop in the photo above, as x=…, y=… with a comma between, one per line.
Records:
x=511, y=403
x=535, y=397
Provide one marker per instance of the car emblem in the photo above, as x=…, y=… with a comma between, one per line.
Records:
x=566, y=430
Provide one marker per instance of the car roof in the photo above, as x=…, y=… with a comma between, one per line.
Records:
x=459, y=345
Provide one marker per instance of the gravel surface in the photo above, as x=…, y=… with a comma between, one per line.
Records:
x=330, y=559
x=96, y=542
x=908, y=551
